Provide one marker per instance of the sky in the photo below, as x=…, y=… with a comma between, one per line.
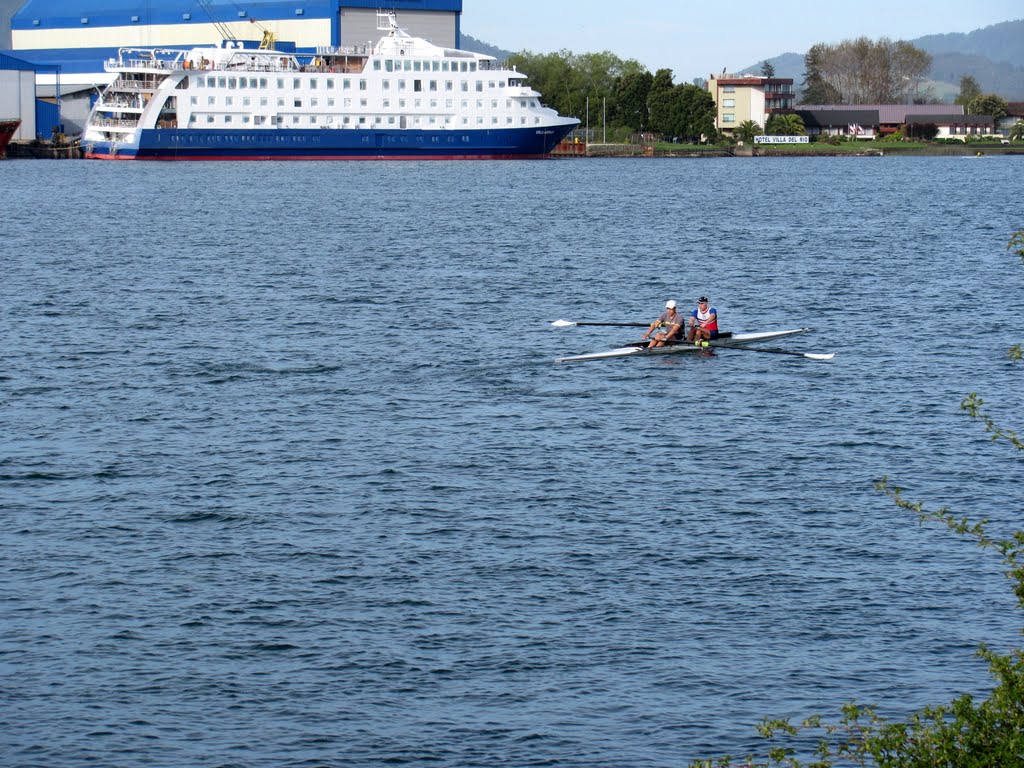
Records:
x=694, y=42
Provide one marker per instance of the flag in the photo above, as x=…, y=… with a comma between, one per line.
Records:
x=854, y=129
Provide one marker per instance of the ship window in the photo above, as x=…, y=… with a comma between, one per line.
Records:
x=298, y=103
x=449, y=103
x=312, y=83
x=385, y=85
x=407, y=65
x=330, y=102
x=433, y=103
x=416, y=103
x=522, y=121
x=209, y=118
x=221, y=82
x=314, y=102
x=401, y=85
x=433, y=121
x=465, y=85
x=330, y=83
x=295, y=119
x=415, y=66
x=195, y=101
x=377, y=120
x=344, y=120
x=508, y=121
x=362, y=102
x=376, y=65
x=401, y=103
x=465, y=104
x=391, y=120
x=490, y=84
x=444, y=66
x=433, y=85
x=263, y=101
x=346, y=84
x=242, y=82
x=280, y=82
x=245, y=118
x=389, y=65
x=191, y=119
x=480, y=86
x=280, y=102
x=536, y=121
x=387, y=104
x=417, y=85
x=472, y=66
x=329, y=119
x=362, y=85
x=479, y=104
x=227, y=118
x=435, y=66
x=494, y=103
x=449, y=85
x=479, y=121
x=296, y=83
x=312, y=120
x=229, y=101
x=211, y=101
x=252, y=82
x=494, y=120
x=347, y=103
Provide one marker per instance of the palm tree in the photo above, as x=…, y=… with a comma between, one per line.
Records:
x=1017, y=131
x=786, y=125
x=747, y=130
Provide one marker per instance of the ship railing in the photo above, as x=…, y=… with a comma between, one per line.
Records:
x=108, y=122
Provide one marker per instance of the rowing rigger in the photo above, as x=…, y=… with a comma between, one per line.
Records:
x=738, y=341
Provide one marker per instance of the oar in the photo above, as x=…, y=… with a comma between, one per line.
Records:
x=808, y=355
x=569, y=323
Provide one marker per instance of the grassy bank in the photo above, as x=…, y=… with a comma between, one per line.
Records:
x=852, y=149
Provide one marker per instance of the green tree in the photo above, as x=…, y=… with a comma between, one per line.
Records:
x=788, y=124
x=660, y=102
x=767, y=69
x=815, y=89
x=987, y=104
x=747, y=130
x=969, y=90
x=1017, y=131
x=631, y=92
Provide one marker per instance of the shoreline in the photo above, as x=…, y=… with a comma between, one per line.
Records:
x=876, y=149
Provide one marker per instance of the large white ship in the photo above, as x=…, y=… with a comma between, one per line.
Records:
x=404, y=98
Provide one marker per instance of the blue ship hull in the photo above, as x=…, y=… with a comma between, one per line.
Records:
x=333, y=144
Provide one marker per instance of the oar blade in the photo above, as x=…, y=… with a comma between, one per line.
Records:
x=563, y=323
x=812, y=356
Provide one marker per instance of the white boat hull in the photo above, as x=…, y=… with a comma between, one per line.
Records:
x=639, y=350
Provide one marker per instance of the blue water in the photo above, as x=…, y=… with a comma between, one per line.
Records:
x=288, y=476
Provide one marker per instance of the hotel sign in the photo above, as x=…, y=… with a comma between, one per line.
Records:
x=781, y=139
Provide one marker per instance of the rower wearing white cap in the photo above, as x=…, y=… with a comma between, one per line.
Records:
x=671, y=320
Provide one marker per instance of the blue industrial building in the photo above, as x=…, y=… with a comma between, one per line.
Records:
x=75, y=37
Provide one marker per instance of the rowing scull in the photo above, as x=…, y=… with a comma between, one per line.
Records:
x=724, y=340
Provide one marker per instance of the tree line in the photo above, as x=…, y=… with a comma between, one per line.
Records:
x=621, y=96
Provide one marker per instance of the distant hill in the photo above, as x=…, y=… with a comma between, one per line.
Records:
x=994, y=56
x=479, y=46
